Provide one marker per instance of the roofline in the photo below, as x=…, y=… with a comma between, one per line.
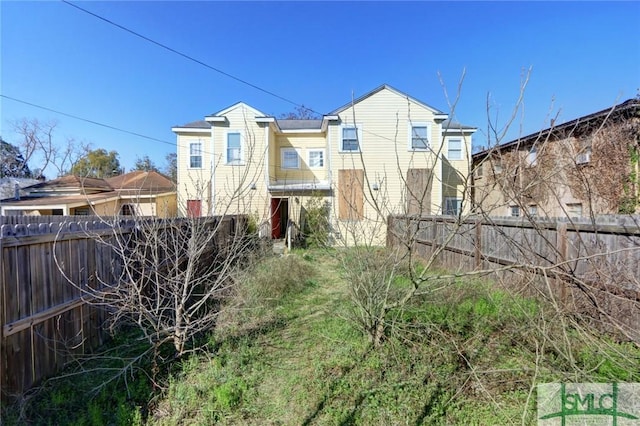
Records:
x=605, y=113
x=380, y=88
x=232, y=107
x=179, y=129
x=323, y=127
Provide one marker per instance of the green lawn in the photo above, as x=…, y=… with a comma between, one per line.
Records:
x=289, y=354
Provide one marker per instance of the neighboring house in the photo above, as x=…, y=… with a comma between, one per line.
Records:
x=134, y=193
x=585, y=167
x=9, y=185
x=385, y=152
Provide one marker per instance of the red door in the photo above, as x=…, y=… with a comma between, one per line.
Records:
x=194, y=208
x=275, y=218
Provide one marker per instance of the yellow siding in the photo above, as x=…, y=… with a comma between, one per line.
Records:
x=385, y=156
x=303, y=143
x=233, y=183
x=193, y=184
x=384, y=119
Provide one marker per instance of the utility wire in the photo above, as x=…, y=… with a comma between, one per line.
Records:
x=173, y=144
x=87, y=120
x=204, y=64
x=188, y=57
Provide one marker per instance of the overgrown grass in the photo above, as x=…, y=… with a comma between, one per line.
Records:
x=288, y=354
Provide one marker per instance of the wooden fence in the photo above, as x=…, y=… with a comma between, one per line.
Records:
x=44, y=319
x=593, y=267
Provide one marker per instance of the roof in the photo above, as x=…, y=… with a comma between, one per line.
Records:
x=141, y=181
x=450, y=124
x=293, y=124
x=59, y=200
x=379, y=89
x=575, y=127
x=71, y=182
x=199, y=124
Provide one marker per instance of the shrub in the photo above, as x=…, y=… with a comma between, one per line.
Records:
x=316, y=226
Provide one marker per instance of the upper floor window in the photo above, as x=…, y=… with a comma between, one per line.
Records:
x=290, y=159
x=419, y=136
x=514, y=211
x=234, y=148
x=454, y=151
x=497, y=166
x=195, y=155
x=532, y=157
x=316, y=158
x=350, y=141
x=584, y=157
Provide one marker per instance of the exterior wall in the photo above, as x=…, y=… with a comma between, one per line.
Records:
x=166, y=206
x=384, y=121
x=563, y=180
x=193, y=183
x=303, y=143
x=241, y=188
x=109, y=208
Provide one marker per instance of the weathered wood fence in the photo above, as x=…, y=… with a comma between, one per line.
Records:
x=590, y=268
x=45, y=320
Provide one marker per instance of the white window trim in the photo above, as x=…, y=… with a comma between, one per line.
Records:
x=515, y=208
x=461, y=139
x=282, y=153
x=410, y=127
x=199, y=141
x=239, y=162
x=322, y=151
x=358, y=128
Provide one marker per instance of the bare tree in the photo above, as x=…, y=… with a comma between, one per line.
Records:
x=40, y=148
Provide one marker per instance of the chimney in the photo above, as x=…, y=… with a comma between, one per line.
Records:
x=17, y=192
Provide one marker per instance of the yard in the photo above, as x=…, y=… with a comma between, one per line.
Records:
x=289, y=353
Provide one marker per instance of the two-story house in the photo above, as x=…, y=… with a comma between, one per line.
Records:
x=584, y=167
x=385, y=152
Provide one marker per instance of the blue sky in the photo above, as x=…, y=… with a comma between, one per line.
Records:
x=584, y=56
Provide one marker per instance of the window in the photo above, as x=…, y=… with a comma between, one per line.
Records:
x=290, y=159
x=195, y=155
x=128, y=210
x=455, y=149
x=478, y=170
x=350, y=139
x=452, y=206
x=533, y=210
x=574, y=210
x=419, y=137
x=81, y=211
x=514, y=211
x=584, y=157
x=234, y=148
x=497, y=166
x=532, y=158
x=316, y=158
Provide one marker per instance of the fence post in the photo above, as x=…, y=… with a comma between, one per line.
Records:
x=478, y=245
x=561, y=257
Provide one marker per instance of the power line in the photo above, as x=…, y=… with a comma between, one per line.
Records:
x=87, y=120
x=188, y=57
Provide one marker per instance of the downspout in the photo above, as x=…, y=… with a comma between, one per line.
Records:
x=212, y=182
